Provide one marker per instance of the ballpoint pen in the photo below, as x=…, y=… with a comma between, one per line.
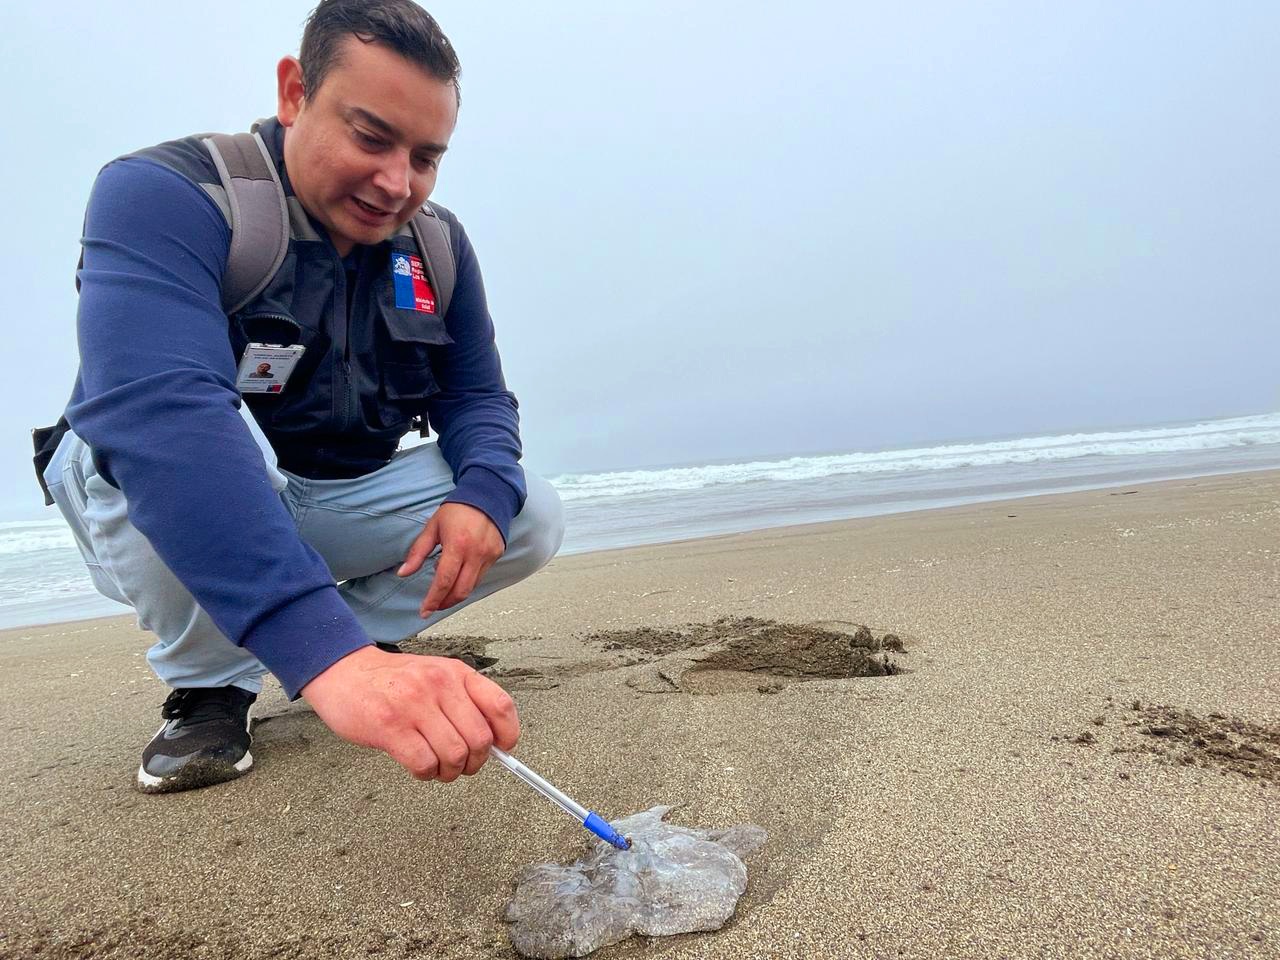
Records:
x=589, y=819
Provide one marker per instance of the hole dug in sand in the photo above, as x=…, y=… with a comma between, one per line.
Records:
x=730, y=655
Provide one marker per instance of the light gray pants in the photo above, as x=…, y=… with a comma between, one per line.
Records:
x=362, y=527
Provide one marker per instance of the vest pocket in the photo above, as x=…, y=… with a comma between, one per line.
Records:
x=404, y=359
x=404, y=392
x=408, y=381
x=405, y=328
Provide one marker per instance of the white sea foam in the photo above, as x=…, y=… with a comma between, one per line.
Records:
x=1211, y=435
x=33, y=536
x=42, y=576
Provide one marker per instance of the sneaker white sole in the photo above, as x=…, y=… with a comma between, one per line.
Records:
x=152, y=784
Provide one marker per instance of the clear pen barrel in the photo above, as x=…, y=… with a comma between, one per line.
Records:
x=544, y=788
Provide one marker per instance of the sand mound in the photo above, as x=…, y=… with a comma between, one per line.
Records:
x=733, y=654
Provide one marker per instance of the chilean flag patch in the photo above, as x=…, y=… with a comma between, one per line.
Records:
x=413, y=289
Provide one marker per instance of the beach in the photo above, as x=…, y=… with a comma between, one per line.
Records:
x=1076, y=755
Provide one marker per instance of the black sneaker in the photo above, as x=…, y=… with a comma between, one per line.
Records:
x=205, y=740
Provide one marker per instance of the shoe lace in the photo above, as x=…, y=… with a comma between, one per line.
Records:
x=197, y=704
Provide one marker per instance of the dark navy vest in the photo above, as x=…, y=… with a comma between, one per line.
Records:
x=365, y=376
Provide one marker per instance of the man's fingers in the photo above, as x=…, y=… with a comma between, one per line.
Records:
x=419, y=550
x=498, y=708
x=447, y=568
x=468, y=577
x=450, y=749
x=413, y=752
x=470, y=724
x=435, y=716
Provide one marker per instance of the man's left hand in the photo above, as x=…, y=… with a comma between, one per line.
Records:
x=469, y=545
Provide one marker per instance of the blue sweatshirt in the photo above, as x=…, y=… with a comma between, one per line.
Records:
x=156, y=402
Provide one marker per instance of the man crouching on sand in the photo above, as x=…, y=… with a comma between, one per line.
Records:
x=261, y=526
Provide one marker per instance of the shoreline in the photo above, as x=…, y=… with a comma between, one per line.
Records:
x=959, y=504
x=906, y=505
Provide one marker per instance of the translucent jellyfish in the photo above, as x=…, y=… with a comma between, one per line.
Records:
x=673, y=880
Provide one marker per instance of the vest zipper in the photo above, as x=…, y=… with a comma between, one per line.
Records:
x=344, y=415
x=346, y=397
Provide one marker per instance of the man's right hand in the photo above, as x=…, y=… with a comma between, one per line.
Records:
x=435, y=716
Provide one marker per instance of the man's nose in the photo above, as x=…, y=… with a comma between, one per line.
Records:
x=392, y=177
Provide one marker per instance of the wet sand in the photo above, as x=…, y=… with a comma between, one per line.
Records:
x=1074, y=753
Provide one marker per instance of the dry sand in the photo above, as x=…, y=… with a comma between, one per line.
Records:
x=999, y=797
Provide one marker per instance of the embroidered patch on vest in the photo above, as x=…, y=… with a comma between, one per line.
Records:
x=413, y=289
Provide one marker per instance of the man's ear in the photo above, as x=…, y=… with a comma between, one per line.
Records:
x=290, y=90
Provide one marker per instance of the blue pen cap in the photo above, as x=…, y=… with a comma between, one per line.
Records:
x=602, y=829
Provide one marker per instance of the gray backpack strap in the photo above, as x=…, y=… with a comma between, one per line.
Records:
x=259, y=215
x=431, y=233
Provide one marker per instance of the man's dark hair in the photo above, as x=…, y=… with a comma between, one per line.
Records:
x=401, y=25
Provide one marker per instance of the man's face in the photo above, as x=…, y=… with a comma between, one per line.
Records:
x=363, y=151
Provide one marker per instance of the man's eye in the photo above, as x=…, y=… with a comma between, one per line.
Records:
x=427, y=163
x=367, y=140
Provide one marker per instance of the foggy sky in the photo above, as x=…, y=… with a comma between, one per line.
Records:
x=737, y=230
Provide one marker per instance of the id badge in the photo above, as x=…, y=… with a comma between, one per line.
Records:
x=265, y=368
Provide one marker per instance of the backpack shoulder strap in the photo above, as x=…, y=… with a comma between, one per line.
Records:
x=259, y=215
x=431, y=232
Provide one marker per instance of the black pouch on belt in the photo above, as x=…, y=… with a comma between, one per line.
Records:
x=46, y=440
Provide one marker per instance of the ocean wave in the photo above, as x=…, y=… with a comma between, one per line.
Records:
x=23, y=537
x=1204, y=436
x=7, y=526
x=42, y=574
